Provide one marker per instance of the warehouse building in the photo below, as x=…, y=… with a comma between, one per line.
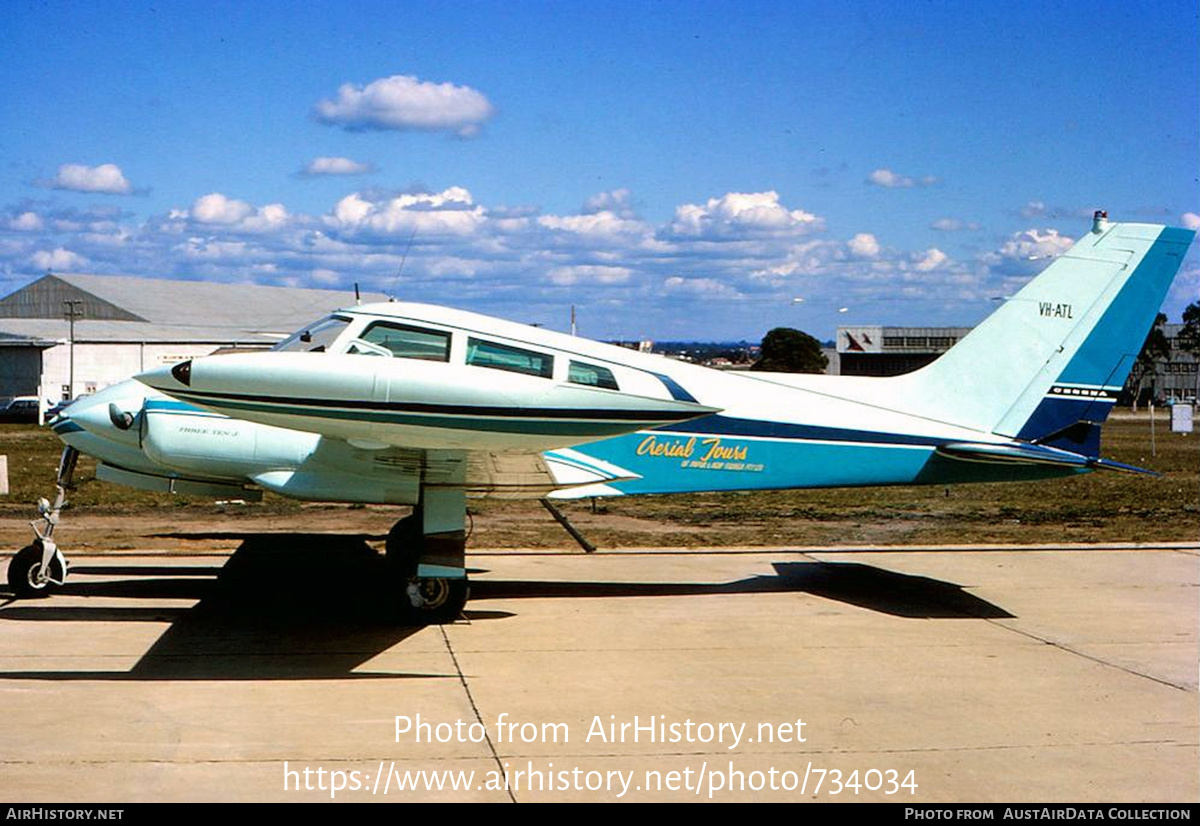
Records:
x=64, y=336
x=890, y=351
x=1175, y=378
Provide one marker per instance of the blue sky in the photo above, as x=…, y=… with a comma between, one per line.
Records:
x=675, y=170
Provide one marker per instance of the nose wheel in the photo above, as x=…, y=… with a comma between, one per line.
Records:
x=39, y=568
x=31, y=574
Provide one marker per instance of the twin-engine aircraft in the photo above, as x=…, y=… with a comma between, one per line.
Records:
x=417, y=405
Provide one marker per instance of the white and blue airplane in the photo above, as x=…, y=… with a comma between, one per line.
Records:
x=423, y=406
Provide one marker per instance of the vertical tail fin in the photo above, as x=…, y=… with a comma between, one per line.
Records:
x=1048, y=364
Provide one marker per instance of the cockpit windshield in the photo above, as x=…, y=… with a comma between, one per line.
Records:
x=314, y=338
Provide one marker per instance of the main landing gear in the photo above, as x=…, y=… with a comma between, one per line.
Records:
x=426, y=552
x=39, y=568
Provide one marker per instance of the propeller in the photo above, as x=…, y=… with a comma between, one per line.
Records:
x=121, y=419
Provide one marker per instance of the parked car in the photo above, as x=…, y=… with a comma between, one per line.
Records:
x=21, y=409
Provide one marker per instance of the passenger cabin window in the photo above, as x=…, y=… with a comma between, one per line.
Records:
x=592, y=375
x=314, y=338
x=402, y=341
x=513, y=359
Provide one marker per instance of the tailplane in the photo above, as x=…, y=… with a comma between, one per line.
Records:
x=1047, y=366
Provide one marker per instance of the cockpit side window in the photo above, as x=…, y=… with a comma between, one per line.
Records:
x=592, y=375
x=497, y=356
x=314, y=338
x=404, y=341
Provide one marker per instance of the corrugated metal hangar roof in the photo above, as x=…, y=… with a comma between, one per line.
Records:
x=123, y=308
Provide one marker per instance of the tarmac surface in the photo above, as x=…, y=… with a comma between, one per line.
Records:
x=273, y=673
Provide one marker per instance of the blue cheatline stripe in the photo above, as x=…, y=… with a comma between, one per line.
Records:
x=172, y=406
x=246, y=401
x=678, y=393
x=717, y=425
x=465, y=421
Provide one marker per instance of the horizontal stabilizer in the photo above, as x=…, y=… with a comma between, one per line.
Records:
x=1109, y=464
x=1031, y=454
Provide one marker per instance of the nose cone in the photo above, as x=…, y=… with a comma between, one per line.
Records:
x=168, y=379
x=110, y=414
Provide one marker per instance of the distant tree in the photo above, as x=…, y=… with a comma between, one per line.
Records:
x=1155, y=348
x=1189, y=337
x=785, y=350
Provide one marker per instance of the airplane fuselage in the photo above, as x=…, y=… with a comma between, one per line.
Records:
x=526, y=411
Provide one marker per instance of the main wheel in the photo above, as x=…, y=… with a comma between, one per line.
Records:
x=425, y=600
x=25, y=568
x=442, y=600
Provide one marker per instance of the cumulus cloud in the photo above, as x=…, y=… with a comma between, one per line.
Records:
x=336, y=166
x=740, y=215
x=217, y=210
x=1184, y=291
x=863, y=245
x=602, y=226
x=62, y=260
x=1038, y=210
x=450, y=212
x=953, y=225
x=932, y=259
x=618, y=202
x=106, y=178
x=888, y=179
x=1033, y=243
x=1026, y=252
x=403, y=103
x=589, y=273
x=701, y=287
x=26, y=222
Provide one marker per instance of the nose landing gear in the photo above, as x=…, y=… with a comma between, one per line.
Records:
x=39, y=568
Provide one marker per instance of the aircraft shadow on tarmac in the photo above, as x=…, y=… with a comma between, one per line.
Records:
x=304, y=606
x=854, y=583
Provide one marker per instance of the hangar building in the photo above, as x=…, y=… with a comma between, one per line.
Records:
x=890, y=351
x=123, y=325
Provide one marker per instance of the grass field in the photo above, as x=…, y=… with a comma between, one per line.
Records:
x=1095, y=507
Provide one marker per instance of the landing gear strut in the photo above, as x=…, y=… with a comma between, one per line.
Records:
x=39, y=568
x=428, y=560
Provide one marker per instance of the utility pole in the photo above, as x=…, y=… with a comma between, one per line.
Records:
x=74, y=310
